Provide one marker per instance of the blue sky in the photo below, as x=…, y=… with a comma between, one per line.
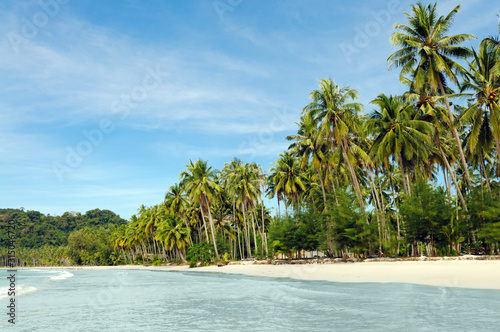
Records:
x=104, y=102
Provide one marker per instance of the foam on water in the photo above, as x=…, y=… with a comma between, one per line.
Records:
x=20, y=290
x=62, y=276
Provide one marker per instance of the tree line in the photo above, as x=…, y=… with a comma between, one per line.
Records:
x=414, y=174
x=72, y=238
x=418, y=174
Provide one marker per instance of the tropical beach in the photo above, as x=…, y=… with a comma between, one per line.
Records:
x=464, y=272
x=482, y=274
x=210, y=165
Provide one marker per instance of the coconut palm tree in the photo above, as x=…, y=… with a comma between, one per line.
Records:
x=397, y=133
x=335, y=110
x=173, y=232
x=309, y=144
x=426, y=52
x=429, y=107
x=245, y=182
x=483, y=79
x=287, y=179
x=198, y=181
x=176, y=202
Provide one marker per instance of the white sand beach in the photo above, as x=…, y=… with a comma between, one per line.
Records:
x=452, y=272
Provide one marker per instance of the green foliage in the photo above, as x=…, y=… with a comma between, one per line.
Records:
x=200, y=252
x=484, y=212
x=34, y=229
x=91, y=246
x=302, y=231
x=347, y=224
x=425, y=212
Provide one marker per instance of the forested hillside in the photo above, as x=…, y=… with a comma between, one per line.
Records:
x=70, y=238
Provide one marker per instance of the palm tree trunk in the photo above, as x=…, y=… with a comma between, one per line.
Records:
x=279, y=212
x=247, y=231
x=382, y=206
x=254, y=232
x=455, y=134
x=242, y=253
x=322, y=188
x=403, y=173
x=264, y=239
x=378, y=209
x=446, y=181
x=397, y=210
x=204, y=223
x=212, y=227
x=452, y=173
x=187, y=227
x=354, y=177
x=485, y=174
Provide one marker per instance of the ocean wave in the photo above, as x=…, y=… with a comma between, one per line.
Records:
x=20, y=290
x=62, y=276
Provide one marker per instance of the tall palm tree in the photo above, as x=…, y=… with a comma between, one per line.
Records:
x=228, y=174
x=336, y=111
x=246, y=186
x=287, y=178
x=397, y=133
x=483, y=79
x=309, y=144
x=429, y=107
x=177, y=202
x=198, y=181
x=427, y=53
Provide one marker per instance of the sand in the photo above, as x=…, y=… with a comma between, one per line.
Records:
x=459, y=273
x=484, y=274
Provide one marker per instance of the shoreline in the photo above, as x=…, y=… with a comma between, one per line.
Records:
x=444, y=272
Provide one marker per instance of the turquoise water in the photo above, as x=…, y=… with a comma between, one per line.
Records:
x=140, y=300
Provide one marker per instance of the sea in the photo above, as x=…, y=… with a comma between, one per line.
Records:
x=151, y=300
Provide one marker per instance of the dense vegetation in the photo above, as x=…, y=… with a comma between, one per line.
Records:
x=414, y=174
x=70, y=238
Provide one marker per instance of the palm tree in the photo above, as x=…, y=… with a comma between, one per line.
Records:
x=173, y=232
x=287, y=179
x=197, y=179
x=229, y=173
x=177, y=202
x=429, y=108
x=308, y=143
x=245, y=182
x=336, y=111
x=397, y=133
x=427, y=53
x=483, y=78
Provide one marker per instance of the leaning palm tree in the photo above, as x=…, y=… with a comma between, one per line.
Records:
x=336, y=111
x=198, y=181
x=426, y=52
